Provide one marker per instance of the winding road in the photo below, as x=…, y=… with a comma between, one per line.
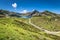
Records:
x=46, y=31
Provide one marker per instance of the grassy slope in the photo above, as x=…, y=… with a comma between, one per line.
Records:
x=14, y=29
x=47, y=23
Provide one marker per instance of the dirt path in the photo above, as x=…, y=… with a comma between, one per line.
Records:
x=46, y=31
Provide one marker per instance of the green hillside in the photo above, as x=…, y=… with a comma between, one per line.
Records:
x=14, y=29
x=47, y=22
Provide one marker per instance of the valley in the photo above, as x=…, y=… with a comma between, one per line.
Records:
x=36, y=27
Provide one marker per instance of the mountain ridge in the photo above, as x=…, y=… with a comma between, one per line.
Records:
x=33, y=13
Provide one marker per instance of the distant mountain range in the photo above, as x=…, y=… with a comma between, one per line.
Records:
x=29, y=14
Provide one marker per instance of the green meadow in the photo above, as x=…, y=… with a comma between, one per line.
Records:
x=16, y=29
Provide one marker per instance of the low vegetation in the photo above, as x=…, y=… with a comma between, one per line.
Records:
x=12, y=29
x=47, y=22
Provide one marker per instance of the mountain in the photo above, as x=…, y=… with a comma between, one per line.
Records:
x=17, y=28
x=48, y=13
x=34, y=13
x=4, y=13
x=47, y=20
x=45, y=13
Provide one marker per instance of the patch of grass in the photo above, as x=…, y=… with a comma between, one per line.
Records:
x=14, y=29
x=49, y=23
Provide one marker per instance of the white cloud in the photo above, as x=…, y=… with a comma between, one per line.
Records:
x=14, y=5
x=24, y=11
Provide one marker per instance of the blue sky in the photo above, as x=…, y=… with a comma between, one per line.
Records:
x=29, y=5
